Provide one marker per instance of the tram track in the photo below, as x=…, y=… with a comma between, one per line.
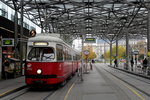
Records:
x=19, y=95
x=134, y=76
x=39, y=94
x=9, y=92
x=130, y=84
x=24, y=93
x=48, y=95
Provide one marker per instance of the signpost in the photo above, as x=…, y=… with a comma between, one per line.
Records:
x=86, y=52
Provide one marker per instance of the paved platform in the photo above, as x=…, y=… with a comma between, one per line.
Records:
x=93, y=87
x=99, y=85
x=10, y=85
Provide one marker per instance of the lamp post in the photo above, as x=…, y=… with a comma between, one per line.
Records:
x=21, y=36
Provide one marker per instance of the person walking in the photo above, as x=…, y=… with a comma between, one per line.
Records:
x=145, y=62
x=93, y=61
x=132, y=64
x=115, y=63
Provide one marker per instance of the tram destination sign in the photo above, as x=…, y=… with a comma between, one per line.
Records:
x=90, y=40
x=7, y=42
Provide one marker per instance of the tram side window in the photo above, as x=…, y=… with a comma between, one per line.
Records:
x=78, y=57
x=64, y=50
x=70, y=58
x=70, y=55
x=59, y=49
x=74, y=57
x=66, y=54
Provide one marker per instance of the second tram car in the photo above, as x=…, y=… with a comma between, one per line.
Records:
x=50, y=61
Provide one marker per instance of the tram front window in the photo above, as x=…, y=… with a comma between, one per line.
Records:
x=41, y=54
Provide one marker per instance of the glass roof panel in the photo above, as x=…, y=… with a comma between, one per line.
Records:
x=102, y=15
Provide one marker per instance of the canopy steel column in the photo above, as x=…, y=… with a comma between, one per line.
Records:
x=110, y=53
x=16, y=33
x=1, y=72
x=148, y=42
x=117, y=50
x=21, y=36
x=82, y=58
x=127, y=50
x=105, y=51
x=148, y=33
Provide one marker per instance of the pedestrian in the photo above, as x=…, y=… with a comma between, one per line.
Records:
x=115, y=63
x=93, y=61
x=7, y=69
x=145, y=62
x=132, y=63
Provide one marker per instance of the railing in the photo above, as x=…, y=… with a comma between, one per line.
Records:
x=137, y=68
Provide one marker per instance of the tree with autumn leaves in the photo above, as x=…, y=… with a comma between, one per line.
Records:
x=92, y=54
x=121, y=53
x=140, y=46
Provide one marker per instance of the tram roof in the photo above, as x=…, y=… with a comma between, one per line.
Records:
x=47, y=38
x=106, y=19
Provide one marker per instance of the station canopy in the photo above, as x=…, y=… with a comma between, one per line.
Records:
x=106, y=19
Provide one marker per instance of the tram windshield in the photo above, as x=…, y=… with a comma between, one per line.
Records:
x=41, y=54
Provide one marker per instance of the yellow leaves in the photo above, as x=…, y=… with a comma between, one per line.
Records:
x=92, y=54
x=121, y=52
x=148, y=54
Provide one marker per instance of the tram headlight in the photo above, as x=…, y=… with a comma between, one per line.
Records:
x=39, y=71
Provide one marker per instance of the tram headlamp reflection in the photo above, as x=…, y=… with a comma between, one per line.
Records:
x=39, y=71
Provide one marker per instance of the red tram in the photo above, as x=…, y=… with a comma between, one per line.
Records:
x=50, y=61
